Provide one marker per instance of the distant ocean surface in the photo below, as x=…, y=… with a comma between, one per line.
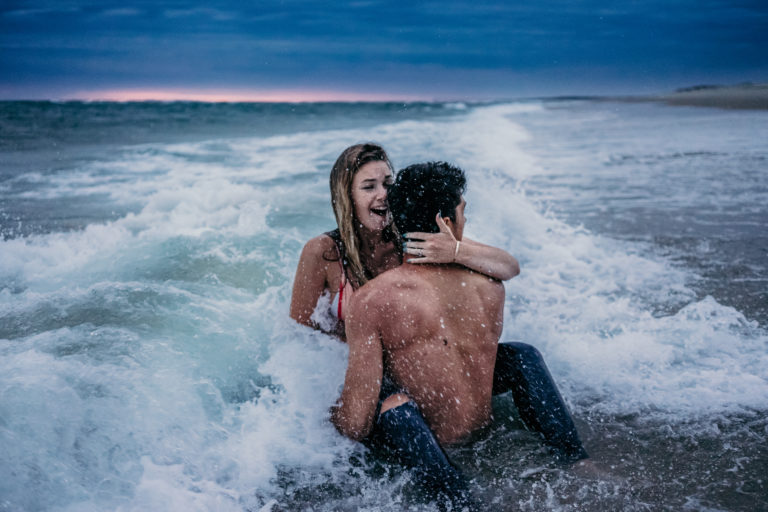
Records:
x=147, y=253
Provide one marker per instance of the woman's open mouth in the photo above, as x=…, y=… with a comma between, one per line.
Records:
x=381, y=212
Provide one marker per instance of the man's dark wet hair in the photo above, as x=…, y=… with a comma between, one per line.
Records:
x=421, y=191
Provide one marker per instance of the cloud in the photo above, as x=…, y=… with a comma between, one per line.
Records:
x=120, y=12
x=39, y=13
x=203, y=12
x=301, y=41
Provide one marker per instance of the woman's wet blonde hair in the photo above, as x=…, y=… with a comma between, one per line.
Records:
x=349, y=162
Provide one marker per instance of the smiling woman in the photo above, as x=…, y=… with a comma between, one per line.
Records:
x=358, y=250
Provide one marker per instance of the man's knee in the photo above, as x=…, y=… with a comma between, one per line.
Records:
x=522, y=351
x=517, y=364
x=393, y=401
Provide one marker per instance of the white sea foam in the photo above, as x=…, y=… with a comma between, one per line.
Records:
x=587, y=302
x=150, y=363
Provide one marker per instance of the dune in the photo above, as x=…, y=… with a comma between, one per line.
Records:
x=744, y=96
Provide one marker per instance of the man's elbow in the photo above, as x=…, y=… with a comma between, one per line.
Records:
x=354, y=434
x=355, y=430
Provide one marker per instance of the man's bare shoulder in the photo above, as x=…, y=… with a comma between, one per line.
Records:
x=379, y=291
x=366, y=310
x=493, y=287
x=470, y=277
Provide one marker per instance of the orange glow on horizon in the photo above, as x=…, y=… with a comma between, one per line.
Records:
x=233, y=96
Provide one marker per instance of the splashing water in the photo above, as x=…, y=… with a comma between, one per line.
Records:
x=147, y=361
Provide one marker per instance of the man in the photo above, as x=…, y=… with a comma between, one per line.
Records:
x=433, y=328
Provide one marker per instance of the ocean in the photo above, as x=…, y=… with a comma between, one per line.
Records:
x=147, y=253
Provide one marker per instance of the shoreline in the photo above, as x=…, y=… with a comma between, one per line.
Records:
x=737, y=97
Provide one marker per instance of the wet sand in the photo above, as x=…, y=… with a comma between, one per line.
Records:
x=746, y=96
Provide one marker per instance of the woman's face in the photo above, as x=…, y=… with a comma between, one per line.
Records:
x=369, y=195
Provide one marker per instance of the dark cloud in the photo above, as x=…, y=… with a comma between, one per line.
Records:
x=360, y=45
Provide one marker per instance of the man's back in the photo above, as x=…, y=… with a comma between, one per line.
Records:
x=439, y=328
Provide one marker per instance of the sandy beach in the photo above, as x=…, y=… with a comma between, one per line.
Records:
x=743, y=96
x=747, y=96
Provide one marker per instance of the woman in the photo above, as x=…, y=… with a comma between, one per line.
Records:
x=338, y=262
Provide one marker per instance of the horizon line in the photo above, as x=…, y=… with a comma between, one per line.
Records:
x=169, y=95
x=233, y=96
x=212, y=95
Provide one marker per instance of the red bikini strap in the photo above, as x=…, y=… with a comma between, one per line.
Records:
x=341, y=290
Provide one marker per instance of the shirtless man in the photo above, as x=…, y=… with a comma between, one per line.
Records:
x=434, y=328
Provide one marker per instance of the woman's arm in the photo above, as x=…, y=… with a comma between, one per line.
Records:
x=311, y=281
x=442, y=247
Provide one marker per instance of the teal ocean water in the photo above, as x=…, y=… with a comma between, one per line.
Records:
x=147, y=253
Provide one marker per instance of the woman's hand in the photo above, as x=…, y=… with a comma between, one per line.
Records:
x=443, y=247
x=433, y=247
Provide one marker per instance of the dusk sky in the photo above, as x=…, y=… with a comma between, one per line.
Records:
x=369, y=50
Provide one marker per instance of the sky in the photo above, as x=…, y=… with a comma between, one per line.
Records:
x=306, y=50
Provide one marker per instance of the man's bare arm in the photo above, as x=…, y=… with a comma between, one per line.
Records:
x=353, y=414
